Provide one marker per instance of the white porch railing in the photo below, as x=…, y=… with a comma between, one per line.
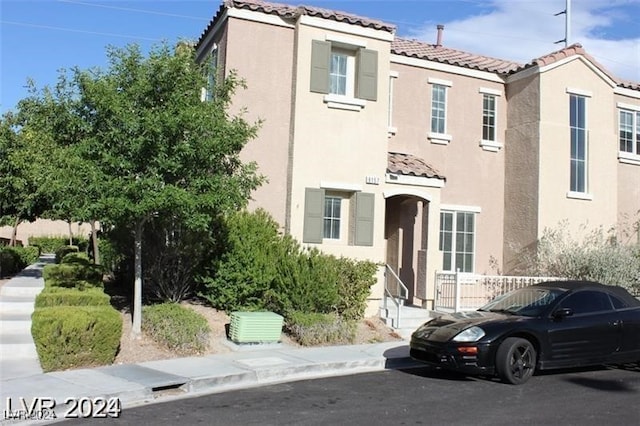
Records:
x=458, y=291
x=395, y=290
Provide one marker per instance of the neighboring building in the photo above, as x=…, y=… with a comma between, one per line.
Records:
x=419, y=156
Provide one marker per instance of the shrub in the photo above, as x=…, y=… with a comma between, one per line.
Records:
x=239, y=278
x=62, y=251
x=73, y=275
x=261, y=270
x=8, y=262
x=76, y=336
x=15, y=259
x=596, y=256
x=311, y=329
x=60, y=296
x=176, y=327
x=49, y=244
x=76, y=258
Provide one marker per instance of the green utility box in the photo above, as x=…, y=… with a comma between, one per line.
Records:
x=255, y=327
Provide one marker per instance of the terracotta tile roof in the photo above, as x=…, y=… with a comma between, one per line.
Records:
x=573, y=50
x=407, y=164
x=445, y=55
x=288, y=11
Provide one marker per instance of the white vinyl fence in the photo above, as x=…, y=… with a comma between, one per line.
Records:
x=457, y=291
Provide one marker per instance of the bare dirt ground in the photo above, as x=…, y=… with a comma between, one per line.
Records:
x=370, y=330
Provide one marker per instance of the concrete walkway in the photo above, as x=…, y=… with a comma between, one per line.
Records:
x=23, y=384
x=18, y=356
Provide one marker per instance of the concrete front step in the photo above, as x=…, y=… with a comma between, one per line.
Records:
x=15, y=327
x=26, y=291
x=17, y=351
x=13, y=306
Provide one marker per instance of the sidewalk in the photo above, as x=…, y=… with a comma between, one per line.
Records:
x=157, y=381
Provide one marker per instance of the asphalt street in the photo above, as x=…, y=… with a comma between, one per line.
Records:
x=417, y=396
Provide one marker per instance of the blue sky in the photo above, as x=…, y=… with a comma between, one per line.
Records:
x=40, y=37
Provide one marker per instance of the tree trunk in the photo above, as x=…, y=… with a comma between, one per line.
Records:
x=94, y=241
x=70, y=233
x=14, y=234
x=136, y=329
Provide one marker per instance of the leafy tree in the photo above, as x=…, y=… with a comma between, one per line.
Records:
x=164, y=151
x=21, y=157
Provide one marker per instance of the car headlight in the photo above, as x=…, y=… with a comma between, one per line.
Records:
x=471, y=334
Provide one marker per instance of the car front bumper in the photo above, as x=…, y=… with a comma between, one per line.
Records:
x=447, y=356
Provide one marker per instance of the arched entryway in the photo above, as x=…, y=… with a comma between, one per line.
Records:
x=406, y=231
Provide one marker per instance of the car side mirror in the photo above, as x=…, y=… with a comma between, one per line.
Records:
x=562, y=313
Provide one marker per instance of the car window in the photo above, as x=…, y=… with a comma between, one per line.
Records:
x=618, y=303
x=584, y=302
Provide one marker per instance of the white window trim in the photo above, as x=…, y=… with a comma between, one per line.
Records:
x=488, y=91
x=440, y=138
x=579, y=196
x=579, y=92
x=340, y=186
x=587, y=182
x=491, y=146
x=344, y=102
x=622, y=105
x=446, y=208
x=345, y=42
x=441, y=82
x=629, y=158
x=391, y=130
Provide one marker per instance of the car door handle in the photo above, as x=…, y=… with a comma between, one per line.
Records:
x=616, y=323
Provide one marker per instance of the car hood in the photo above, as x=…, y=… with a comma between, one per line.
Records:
x=444, y=328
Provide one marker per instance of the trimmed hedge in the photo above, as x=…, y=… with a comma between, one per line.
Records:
x=62, y=251
x=311, y=329
x=77, y=258
x=73, y=275
x=176, y=327
x=60, y=296
x=76, y=336
x=15, y=259
x=51, y=244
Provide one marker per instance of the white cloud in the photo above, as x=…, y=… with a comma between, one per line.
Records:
x=521, y=30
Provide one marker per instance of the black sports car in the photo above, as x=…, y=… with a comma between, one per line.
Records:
x=556, y=324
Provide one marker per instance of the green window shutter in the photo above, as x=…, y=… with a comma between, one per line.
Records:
x=320, y=62
x=367, y=68
x=313, y=215
x=365, y=206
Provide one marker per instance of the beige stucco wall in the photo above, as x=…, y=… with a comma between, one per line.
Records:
x=555, y=206
x=45, y=228
x=247, y=48
x=521, y=169
x=628, y=186
x=335, y=148
x=475, y=177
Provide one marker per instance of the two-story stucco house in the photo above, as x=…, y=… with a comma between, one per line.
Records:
x=419, y=156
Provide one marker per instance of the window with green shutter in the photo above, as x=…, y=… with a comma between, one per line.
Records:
x=343, y=71
x=327, y=218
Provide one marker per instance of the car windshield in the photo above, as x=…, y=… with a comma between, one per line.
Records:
x=530, y=302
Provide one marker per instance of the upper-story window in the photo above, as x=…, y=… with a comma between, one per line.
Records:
x=490, y=140
x=629, y=134
x=438, y=127
x=488, y=117
x=212, y=70
x=579, y=143
x=346, y=73
x=438, y=108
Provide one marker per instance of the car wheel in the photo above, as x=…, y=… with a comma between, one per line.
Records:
x=515, y=360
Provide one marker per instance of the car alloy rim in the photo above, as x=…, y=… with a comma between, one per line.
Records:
x=521, y=361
